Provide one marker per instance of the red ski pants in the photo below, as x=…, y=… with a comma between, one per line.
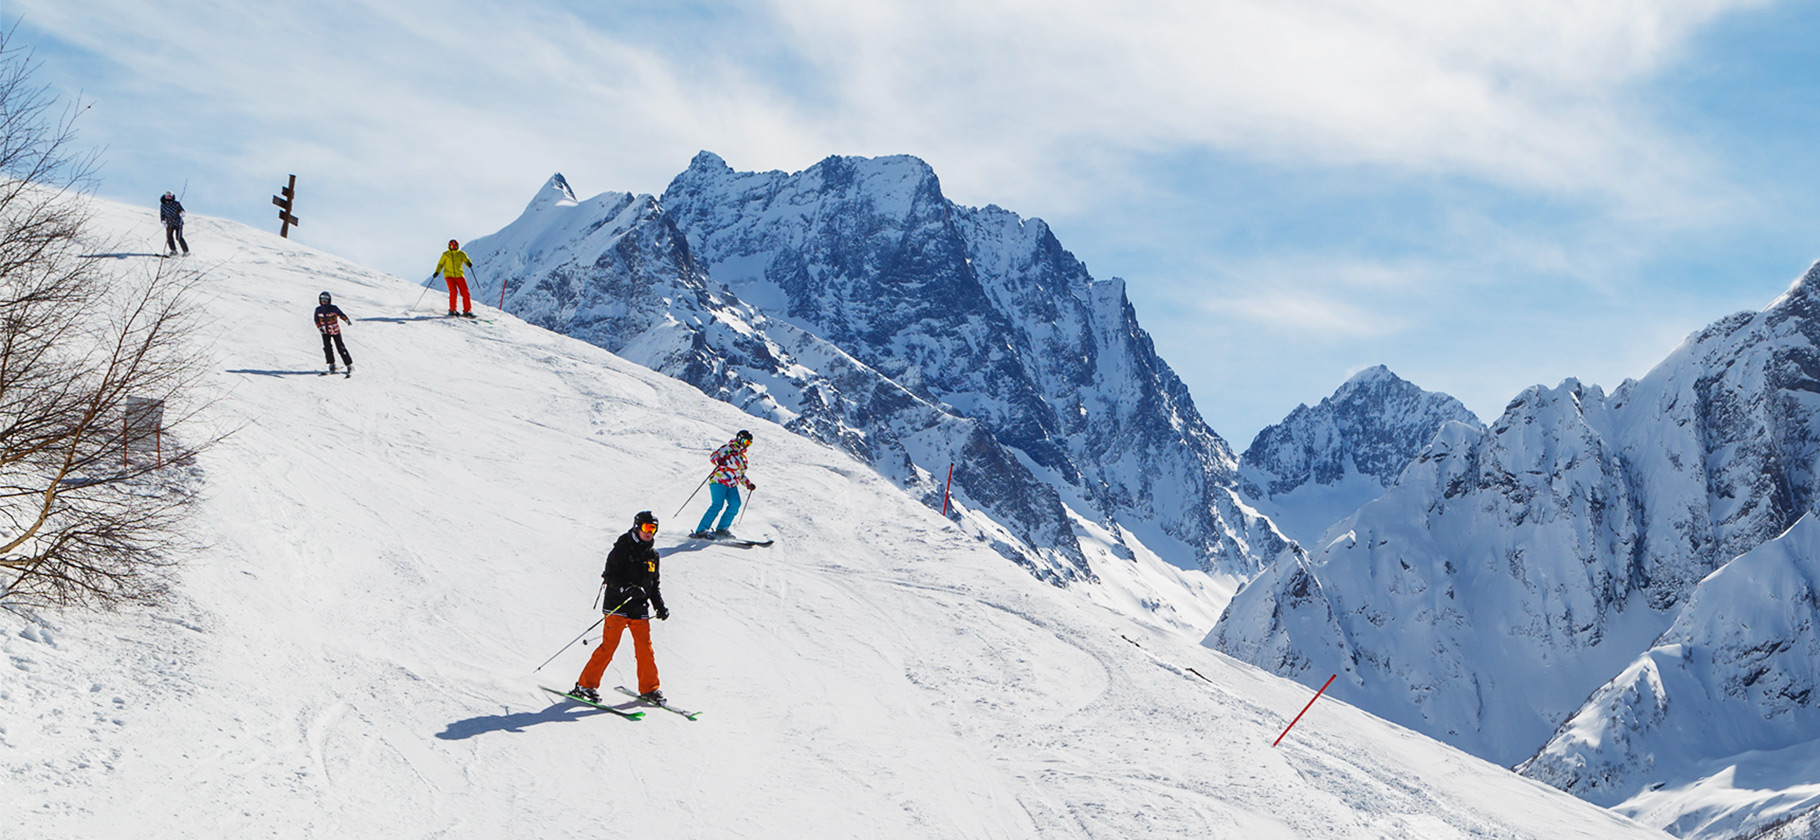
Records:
x=458, y=284
x=609, y=641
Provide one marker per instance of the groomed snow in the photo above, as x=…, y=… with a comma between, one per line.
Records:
x=391, y=555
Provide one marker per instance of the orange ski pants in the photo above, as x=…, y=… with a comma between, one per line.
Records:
x=609, y=642
x=458, y=284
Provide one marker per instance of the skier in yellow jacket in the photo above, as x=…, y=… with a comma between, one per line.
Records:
x=454, y=261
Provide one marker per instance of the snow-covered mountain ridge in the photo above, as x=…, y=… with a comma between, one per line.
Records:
x=1715, y=728
x=390, y=556
x=857, y=305
x=1512, y=571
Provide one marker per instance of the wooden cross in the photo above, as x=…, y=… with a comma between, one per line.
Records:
x=284, y=208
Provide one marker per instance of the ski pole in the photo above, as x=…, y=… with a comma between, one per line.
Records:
x=742, y=508
x=584, y=633
x=426, y=291
x=698, y=487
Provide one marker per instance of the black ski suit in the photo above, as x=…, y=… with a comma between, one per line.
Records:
x=171, y=211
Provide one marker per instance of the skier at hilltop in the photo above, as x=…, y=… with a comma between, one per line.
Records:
x=729, y=474
x=450, y=267
x=329, y=319
x=170, y=210
x=631, y=580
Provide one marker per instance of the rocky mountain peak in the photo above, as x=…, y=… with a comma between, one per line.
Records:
x=1322, y=462
x=555, y=191
x=853, y=303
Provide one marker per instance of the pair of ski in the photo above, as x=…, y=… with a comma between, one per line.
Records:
x=622, y=712
x=345, y=374
x=734, y=541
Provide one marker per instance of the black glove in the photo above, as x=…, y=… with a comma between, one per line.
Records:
x=663, y=613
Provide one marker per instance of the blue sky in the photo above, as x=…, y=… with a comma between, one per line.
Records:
x=1482, y=195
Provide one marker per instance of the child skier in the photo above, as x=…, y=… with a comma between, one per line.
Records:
x=631, y=583
x=453, y=262
x=170, y=210
x=329, y=319
x=729, y=474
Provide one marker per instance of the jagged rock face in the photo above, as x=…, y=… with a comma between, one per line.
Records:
x=1733, y=681
x=1512, y=571
x=615, y=271
x=985, y=312
x=1323, y=463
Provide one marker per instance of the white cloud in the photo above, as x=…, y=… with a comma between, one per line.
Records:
x=1532, y=95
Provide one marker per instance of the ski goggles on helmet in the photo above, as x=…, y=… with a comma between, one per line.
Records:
x=648, y=527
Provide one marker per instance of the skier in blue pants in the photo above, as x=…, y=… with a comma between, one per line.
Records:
x=729, y=475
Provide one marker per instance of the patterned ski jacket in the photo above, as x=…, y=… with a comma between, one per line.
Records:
x=631, y=578
x=329, y=318
x=171, y=211
x=453, y=263
x=730, y=465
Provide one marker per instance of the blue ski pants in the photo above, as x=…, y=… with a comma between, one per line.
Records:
x=720, y=495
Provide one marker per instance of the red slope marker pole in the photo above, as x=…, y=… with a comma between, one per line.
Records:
x=946, y=488
x=1298, y=717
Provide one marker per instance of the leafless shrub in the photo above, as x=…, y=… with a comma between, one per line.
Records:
x=84, y=521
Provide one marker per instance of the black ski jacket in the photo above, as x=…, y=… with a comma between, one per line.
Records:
x=171, y=211
x=631, y=577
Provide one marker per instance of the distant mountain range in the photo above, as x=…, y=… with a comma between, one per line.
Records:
x=1513, y=570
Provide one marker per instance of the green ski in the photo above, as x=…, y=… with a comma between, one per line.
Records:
x=602, y=706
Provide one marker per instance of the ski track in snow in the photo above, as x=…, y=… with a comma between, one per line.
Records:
x=390, y=555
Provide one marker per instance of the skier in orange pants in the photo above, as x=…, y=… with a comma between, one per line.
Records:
x=631, y=578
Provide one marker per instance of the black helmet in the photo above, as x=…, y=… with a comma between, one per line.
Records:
x=643, y=517
x=743, y=436
x=323, y=298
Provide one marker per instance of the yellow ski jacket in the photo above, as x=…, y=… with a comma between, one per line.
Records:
x=453, y=262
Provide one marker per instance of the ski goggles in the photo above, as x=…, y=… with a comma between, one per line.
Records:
x=648, y=527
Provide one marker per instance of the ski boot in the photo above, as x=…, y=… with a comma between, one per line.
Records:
x=582, y=692
x=654, y=697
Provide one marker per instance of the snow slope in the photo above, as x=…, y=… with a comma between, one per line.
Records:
x=391, y=555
